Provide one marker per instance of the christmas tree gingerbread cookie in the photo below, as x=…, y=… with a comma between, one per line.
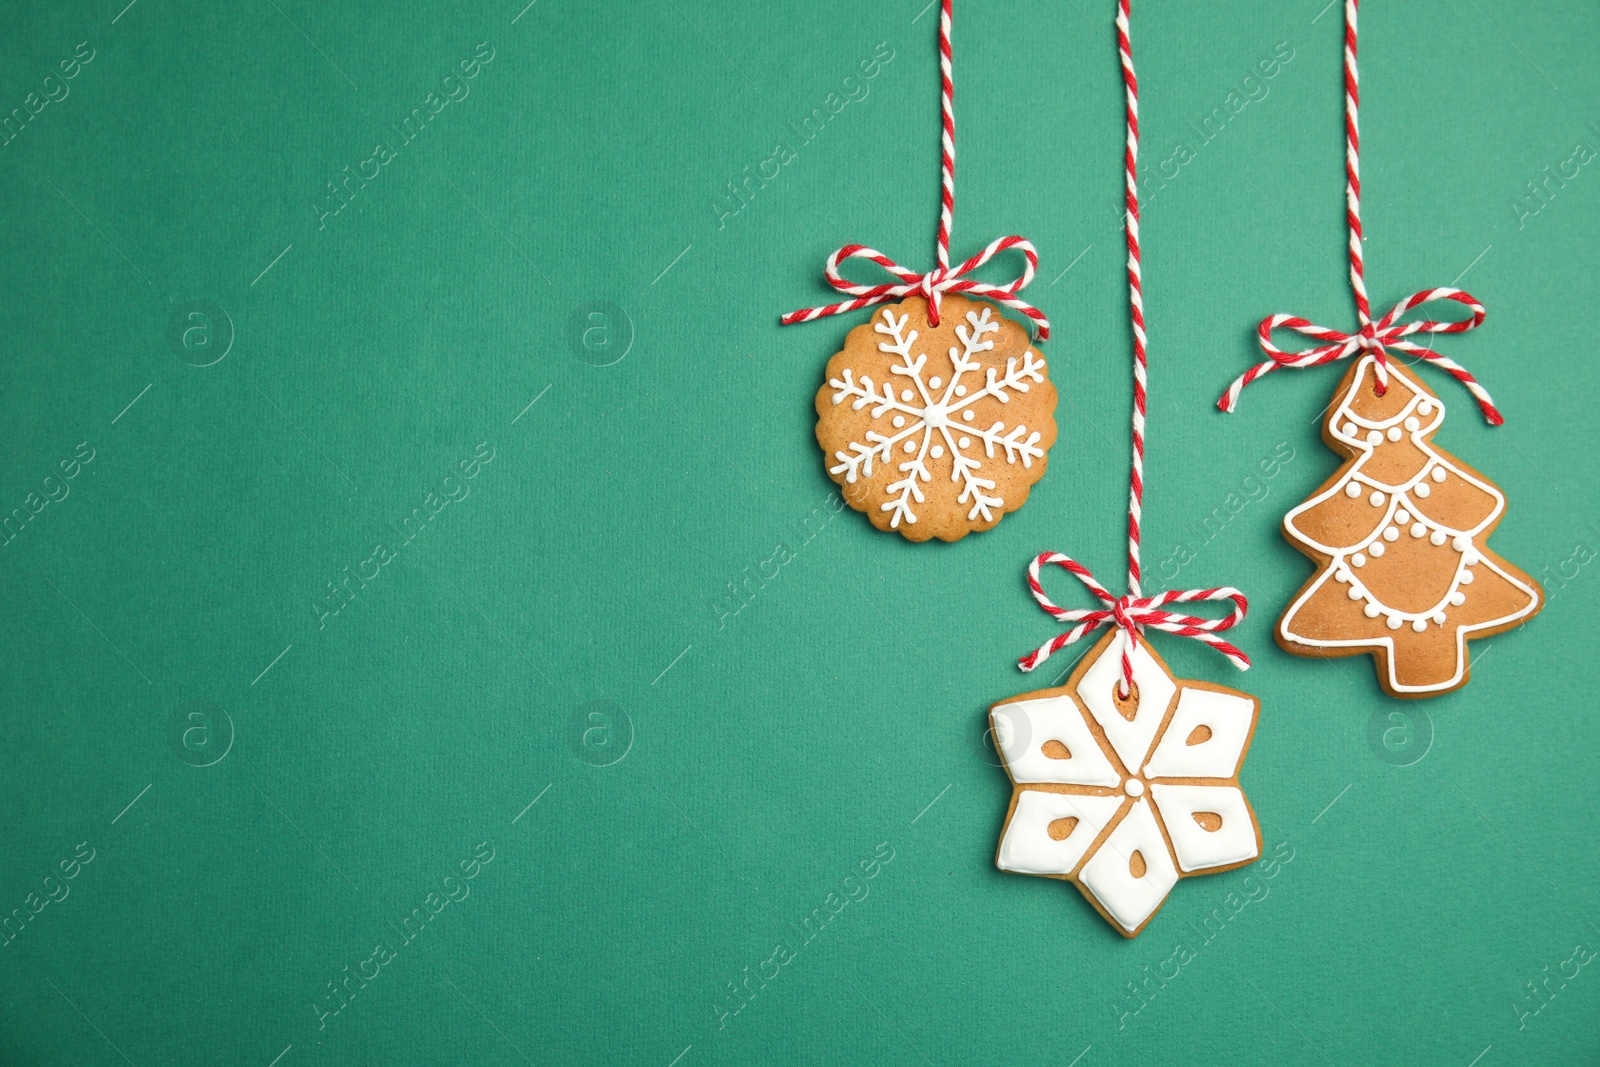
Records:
x=1398, y=534
x=936, y=431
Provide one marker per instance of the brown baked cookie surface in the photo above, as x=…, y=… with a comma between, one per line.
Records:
x=1398, y=534
x=936, y=431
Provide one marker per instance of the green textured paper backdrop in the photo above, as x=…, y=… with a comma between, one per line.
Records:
x=768, y=753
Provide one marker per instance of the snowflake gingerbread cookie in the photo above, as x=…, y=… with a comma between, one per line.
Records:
x=1124, y=797
x=1399, y=535
x=936, y=431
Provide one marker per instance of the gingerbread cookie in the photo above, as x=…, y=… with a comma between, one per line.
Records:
x=1122, y=797
x=1399, y=535
x=936, y=431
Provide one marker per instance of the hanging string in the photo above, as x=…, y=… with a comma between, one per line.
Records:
x=1133, y=612
x=1374, y=337
x=942, y=279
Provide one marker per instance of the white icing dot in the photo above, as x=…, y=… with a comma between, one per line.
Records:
x=899, y=420
x=1376, y=498
x=935, y=382
x=1375, y=549
x=1413, y=424
x=1374, y=436
x=905, y=394
x=1419, y=625
x=1352, y=490
x=968, y=415
x=1470, y=557
x=1417, y=529
x=1402, y=516
x=1340, y=574
x=1466, y=577
x=1349, y=429
x=1438, y=474
x=1391, y=533
x=911, y=446
x=1394, y=433
x=1458, y=598
x=1134, y=787
x=1370, y=611
x=1437, y=537
x=1438, y=617
x=1425, y=408
x=964, y=442
x=1461, y=542
x=1421, y=489
x=1393, y=622
x=936, y=451
x=1356, y=593
x=1358, y=560
x=961, y=390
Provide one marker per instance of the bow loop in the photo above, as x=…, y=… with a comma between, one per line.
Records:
x=1374, y=337
x=932, y=285
x=1132, y=614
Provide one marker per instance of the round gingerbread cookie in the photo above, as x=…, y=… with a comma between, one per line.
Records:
x=936, y=431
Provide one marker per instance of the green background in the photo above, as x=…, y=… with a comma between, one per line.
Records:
x=764, y=755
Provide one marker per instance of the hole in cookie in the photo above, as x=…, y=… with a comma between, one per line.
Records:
x=1127, y=705
x=1056, y=750
x=1199, y=735
x=1209, y=821
x=1061, y=829
x=1136, y=864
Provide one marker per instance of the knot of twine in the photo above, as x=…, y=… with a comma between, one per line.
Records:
x=1132, y=614
x=932, y=285
x=1375, y=338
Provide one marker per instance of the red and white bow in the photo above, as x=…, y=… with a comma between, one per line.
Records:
x=932, y=285
x=1375, y=337
x=1132, y=614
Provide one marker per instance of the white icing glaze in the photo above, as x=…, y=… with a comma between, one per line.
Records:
x=1135, y=815
x=1131, y=740
x=1198, y=848
x=927, y=411
x=1022, y=729
x=1028, y=848
x=1229, y=718
x=1129, y=900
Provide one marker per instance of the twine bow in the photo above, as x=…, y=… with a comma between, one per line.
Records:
x=931, y=285
x=1132, y=614
x=1374, y=337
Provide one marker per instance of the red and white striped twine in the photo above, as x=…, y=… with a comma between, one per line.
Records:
x=942, y=279
x=1375, y=337
x=1133, y=612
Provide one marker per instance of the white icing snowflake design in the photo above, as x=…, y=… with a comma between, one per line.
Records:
x=929, y=416
x=1125, y=806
